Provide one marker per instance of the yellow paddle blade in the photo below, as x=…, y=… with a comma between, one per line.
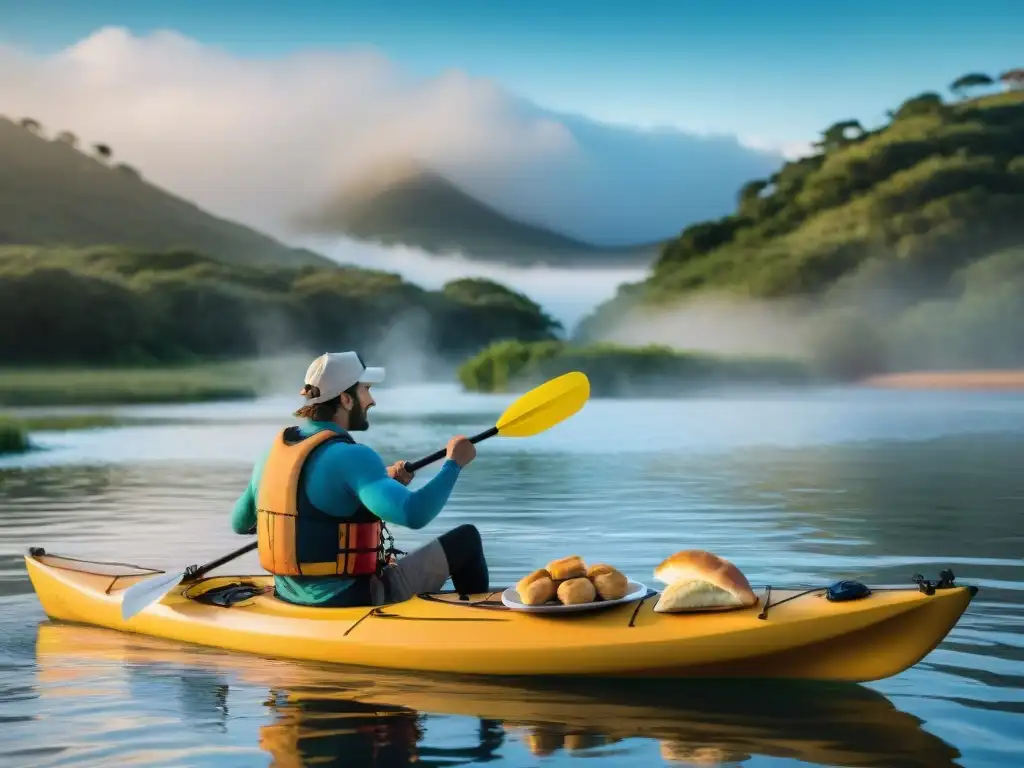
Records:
x=543, y=407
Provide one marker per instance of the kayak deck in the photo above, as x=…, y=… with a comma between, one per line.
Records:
x=791, y=633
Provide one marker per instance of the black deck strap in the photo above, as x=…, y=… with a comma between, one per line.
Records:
x=487, y=604
x=767, y=604
x=357, y=622
x=381, y=613
x=650, y=593
x=110, y=586
x=40, y=552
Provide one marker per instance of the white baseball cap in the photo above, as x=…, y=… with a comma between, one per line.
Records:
x=334, y=372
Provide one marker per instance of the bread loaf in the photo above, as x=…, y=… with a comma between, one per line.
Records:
x=699, y=580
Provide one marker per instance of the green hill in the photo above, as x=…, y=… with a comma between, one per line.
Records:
x=902, y=246
x=53, y=193
x=407, y=204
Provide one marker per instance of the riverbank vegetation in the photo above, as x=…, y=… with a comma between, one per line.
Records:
x=107, y=306
x=623, y=371
x=15, y=432
x=13, y=436
x=898, y=247
x=73, y=385
x=60, y=422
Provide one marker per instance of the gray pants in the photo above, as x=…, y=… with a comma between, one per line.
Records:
x=422, y=570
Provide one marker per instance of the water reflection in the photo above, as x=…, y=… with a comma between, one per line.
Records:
x=323, y=715
x=874, y=486
x=47, y=484
x=340, y=732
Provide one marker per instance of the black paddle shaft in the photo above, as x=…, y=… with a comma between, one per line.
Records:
x=198, y=573
x=202, y=570
x=413, y=466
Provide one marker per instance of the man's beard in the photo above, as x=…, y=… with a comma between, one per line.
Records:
x=357, y=421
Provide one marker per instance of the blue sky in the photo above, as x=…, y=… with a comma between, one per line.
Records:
x=780, y=71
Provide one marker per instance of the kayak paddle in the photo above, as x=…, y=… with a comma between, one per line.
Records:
x=538, y=410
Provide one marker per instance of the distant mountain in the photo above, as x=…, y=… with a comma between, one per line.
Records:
x=404, y=203
x=52, y=193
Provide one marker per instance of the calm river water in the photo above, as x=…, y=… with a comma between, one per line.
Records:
x=799, y=488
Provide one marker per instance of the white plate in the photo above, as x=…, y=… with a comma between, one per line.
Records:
x=511, y=600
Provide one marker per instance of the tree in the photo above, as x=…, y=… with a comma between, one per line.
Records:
x=962, y=84
x=1013, y=79
x=103, y=151
x=706, y=236
x=30, y=124
x=836, y=135
x=752, y=190
x=924, y=104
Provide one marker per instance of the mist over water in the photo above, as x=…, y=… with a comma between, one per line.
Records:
x=718, y=324
x=879, y=317
x=566, y=293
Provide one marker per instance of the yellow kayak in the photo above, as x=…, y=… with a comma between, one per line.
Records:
x=317, y=709
x=796, y=634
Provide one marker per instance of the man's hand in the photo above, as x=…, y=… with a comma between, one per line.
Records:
x=461, y=450
x=398, y=472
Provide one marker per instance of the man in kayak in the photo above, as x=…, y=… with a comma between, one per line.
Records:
x=318, y=502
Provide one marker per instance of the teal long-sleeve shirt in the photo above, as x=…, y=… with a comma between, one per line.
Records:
x=337, y=478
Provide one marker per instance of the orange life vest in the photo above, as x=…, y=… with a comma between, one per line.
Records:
x=297, y=539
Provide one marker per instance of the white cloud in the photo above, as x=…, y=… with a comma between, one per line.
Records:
x=259, y=139
x=789, y=150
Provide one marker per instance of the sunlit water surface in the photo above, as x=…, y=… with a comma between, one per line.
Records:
x=802, y=488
